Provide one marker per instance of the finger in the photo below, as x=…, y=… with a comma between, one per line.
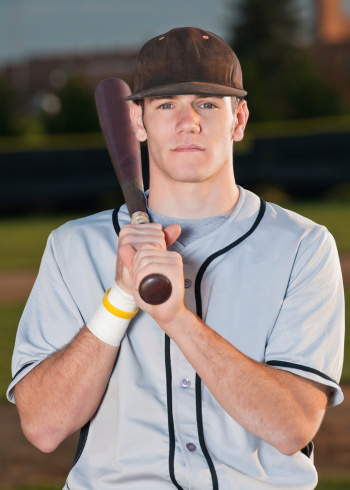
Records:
x=151, y=262
x=139, y=236
x=127, y=253
x=171, y=233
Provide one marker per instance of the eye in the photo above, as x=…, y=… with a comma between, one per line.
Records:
x=207, y=105
x=166, y=105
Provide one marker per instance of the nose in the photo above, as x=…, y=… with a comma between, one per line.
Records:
x=188, y=120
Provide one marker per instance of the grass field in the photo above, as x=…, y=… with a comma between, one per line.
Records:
x=334, y=215
x=25, y=240
x=26, y=237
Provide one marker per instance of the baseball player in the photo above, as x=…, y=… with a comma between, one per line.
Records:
x=225, y=384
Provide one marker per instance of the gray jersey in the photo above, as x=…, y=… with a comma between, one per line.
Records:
x=267, y=280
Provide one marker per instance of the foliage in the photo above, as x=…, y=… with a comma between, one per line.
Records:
x=7, y=125
x=78, y=111
x=279, y=74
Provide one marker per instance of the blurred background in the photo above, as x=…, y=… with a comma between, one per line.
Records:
x=295, y=57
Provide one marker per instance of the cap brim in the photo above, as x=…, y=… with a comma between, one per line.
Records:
x=185, y=88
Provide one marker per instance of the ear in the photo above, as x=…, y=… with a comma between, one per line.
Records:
x=137, y=122
x=242, y=115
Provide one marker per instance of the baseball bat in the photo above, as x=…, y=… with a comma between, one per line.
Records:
x=125, y=153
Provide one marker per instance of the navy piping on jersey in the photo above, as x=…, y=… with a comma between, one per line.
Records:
x=115, y=220
x=84, y=432
x=23, y=367
x=171, y=427
x=199, y=413
x=198, y=282
x=302, y=368
x=169, y=393
x=208, y=261
x=308, y=449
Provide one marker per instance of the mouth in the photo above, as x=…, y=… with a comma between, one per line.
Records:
x=187, y=148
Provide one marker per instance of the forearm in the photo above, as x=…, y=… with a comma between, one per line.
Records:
x=64, y=391
x=265, y=401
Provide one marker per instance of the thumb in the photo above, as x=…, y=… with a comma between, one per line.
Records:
x=171, y=233
x=127, y=253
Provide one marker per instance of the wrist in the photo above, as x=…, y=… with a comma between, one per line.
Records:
x=112, y=318
x=178, y=323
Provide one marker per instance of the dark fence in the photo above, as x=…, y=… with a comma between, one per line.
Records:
x=83, y=179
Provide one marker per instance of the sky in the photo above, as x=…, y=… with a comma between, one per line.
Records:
x=39, y=27
x=32, y=27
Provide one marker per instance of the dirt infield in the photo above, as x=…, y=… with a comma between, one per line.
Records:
x=21, y=463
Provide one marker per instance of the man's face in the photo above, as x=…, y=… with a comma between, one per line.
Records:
x=189, y=136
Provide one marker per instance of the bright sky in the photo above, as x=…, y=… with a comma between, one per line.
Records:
x=36, y=27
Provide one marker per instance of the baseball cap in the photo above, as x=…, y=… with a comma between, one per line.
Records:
x=187, y=60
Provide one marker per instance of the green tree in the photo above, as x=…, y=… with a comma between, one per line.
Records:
x=279, y=74
x=7, y=109
x=78, y=111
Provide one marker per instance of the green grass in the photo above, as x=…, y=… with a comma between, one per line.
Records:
x=25, y=240
x=334, y=215
x=346, y=369
x=9, y=318
x=334, y=484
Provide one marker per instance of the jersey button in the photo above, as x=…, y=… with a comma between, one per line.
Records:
x=188, y=283
x=185, y=383
x=190, y=446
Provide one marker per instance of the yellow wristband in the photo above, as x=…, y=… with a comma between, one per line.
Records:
x=115, y=311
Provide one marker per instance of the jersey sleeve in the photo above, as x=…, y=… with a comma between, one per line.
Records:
x=49, y=321
x=308, y=336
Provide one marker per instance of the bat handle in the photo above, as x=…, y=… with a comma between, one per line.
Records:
x=154, y=289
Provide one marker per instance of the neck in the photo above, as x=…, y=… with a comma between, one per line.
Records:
x=193, y=200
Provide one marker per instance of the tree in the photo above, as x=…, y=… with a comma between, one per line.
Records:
x=78, y=111
x=278, y=72
x=7, y=108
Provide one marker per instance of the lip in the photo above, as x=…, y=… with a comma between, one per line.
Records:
x=189, y=148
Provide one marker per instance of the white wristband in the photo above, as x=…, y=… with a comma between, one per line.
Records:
x=120, y=299
x=106, y=325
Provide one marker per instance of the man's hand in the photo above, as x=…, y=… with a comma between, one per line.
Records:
x=142, y=251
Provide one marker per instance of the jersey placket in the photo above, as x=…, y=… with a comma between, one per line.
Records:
x=195, y=472
x=187, y=443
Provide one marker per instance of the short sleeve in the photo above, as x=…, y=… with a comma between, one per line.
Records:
x=308, y=336
x=49, y=321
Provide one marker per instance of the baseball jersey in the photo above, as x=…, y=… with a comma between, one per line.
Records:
x=267, y=280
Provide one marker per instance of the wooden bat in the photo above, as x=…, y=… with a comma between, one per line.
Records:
x=124, y=150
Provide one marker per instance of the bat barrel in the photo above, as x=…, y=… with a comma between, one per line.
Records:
x=124, y=151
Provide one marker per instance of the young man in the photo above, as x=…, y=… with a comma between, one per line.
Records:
x=226, y=383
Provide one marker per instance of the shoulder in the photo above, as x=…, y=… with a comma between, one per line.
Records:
x=308, y=235
x=84, y=232
x=86, y=225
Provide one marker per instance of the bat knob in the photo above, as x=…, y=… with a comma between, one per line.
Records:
x=155, y=289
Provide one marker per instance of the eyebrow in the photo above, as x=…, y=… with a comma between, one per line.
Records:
x=200, y=96
x=160, y=97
